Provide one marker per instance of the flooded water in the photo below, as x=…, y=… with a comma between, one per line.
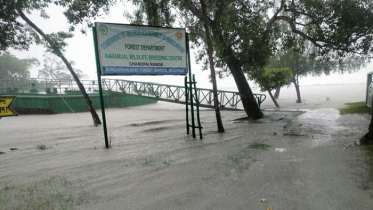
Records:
x=294, y=161
x=315, y=96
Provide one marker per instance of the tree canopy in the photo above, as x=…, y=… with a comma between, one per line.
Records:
x=303, y=61
x=269, y=79
x=16, y=34
x=54, y=68
x=247, y=33
x=14, y=68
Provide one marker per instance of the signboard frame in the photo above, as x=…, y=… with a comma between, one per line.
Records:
x=149, y=66
x=188, y=85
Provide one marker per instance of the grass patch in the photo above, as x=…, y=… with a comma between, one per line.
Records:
x=356, y=108
x=240, y=162
x=155, y=161
x=257, y=145
x=48, y=194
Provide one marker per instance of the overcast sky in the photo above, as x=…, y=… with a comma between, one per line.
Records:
x=81, y=50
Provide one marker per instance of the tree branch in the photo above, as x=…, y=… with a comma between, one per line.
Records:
x=296, y=31
x=219, y=10
x=193, y=9
x=273, y=19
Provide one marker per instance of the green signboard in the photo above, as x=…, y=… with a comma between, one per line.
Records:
x=141, y=50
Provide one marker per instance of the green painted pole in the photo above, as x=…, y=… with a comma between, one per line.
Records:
x=190, y=87
x=100, y=87
x=197, y=106
x=186, y=103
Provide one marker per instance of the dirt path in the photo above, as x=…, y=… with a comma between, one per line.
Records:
x=295, y=163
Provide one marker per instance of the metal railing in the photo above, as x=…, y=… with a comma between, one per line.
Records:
x=174, y=93
x=163, y=92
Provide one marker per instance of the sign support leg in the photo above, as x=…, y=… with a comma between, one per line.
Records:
x=100, y=88
x=197, y=106
x=186, y=103
x=190, y=86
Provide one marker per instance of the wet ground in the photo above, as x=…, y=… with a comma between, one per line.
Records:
x=294, y=160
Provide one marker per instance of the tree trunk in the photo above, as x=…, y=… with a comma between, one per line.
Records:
x=57, y=51
x=277, y=93
x=210, y=52
x=299, y=99
x=249, y=103
x=273, y=99
x=248, y=100
x=368, y=137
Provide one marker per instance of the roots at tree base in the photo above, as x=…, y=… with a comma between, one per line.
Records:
x=367, y=139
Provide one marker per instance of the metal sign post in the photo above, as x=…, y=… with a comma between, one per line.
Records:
x=100, y=87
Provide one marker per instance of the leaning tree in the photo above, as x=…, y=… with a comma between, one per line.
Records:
x=159, y=13
x=18, y=31
x=246, y=33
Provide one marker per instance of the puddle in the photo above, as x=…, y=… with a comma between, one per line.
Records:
x=316, y=124
x=288, y=110
x=267, y=118
x=149, y=123
x=281, y=150
x=155, y=129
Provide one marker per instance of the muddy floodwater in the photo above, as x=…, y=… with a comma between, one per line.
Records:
x=292, y=159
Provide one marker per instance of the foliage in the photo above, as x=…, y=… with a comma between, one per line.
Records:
x=15, y=34
x=54, y=68
x=14, y=68
x=271, y=78
x=303, y=62
x=246, y=35
x=152, y=12
x=19, y=32
x=335, y=28
x=84, y=12
x=303, y=59
x=356, y=108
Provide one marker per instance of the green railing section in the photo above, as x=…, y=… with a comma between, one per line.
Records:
x=59, y=94
x=176, y=94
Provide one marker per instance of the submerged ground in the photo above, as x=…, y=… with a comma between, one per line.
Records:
x=294, y=160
